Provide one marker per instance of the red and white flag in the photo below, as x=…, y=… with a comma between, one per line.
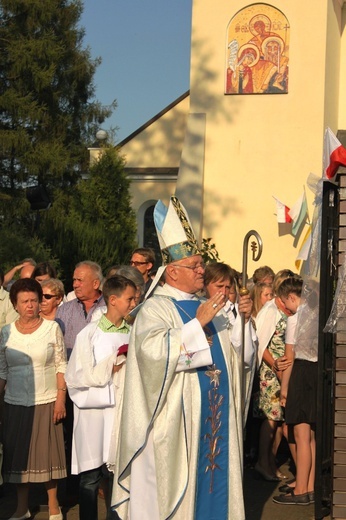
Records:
x=334, y=155
x=282, y=212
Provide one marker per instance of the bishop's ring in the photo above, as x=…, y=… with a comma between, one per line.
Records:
x=214, y=305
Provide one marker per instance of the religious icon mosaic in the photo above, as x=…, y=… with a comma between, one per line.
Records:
x=257, y=52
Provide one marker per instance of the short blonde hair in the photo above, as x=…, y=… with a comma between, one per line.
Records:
x=55, y=285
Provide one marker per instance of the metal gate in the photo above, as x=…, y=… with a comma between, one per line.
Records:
x=325, y=402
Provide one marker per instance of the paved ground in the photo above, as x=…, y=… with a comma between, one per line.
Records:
x=257, y=493
x=258, y=496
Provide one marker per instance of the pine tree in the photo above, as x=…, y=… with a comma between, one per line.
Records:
x=95, y=221
x=48, y=117
x=47, y=112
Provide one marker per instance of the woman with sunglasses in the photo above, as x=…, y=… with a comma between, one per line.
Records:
x=32, y=367
x=53, y=293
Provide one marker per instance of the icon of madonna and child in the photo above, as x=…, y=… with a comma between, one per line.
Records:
x=259, y=65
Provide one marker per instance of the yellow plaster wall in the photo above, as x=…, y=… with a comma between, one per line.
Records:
x=260, y=145
x=333, y=65
x=342, y=89
x=143, y=191
x=160, y=144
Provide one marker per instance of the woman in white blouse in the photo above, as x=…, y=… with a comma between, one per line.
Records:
x=32, y=367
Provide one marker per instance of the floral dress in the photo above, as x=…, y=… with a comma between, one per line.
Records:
x=267, y=399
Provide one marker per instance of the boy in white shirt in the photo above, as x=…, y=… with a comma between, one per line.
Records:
x=95, y=380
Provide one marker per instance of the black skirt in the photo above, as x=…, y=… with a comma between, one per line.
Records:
x=34, y=448
x=301, y=404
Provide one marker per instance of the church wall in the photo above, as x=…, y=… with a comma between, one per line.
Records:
x=333, y=65
x=160, y=143
x=258, y=146
x=152, y=159
x=342, y=89
x=146, y=193
x=142, y=191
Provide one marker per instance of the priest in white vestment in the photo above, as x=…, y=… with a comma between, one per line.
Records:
x=180, y=445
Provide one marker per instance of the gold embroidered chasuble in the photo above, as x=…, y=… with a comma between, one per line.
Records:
x=165, y=403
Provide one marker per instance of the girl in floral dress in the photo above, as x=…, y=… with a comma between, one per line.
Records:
x=271, y=327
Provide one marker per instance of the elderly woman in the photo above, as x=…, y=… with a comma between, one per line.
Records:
x=53, y=293
x=32, y=367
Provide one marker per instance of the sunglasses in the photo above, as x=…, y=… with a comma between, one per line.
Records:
x=137, y=263
x=49, y=296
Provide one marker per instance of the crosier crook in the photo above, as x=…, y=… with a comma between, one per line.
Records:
x=244, y=291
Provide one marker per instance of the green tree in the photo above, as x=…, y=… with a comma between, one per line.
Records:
x=15, y=246
x=47, y=112
x=48, y=117
x=94, y=221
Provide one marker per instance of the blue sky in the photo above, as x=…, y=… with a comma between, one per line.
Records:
x=145, y=51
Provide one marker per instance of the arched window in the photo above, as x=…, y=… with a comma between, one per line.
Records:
x=149, y=233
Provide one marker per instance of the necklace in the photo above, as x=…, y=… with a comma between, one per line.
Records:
x=37, y=322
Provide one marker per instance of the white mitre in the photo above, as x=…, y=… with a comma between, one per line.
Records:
x=175, y=234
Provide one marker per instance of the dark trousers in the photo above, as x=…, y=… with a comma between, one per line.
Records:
x=88, y=493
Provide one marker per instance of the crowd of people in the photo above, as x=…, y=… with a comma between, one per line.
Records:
x=148, y=399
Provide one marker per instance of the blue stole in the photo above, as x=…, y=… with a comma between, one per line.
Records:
x=212, y=466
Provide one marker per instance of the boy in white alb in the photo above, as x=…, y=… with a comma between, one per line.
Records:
x=95, y=380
